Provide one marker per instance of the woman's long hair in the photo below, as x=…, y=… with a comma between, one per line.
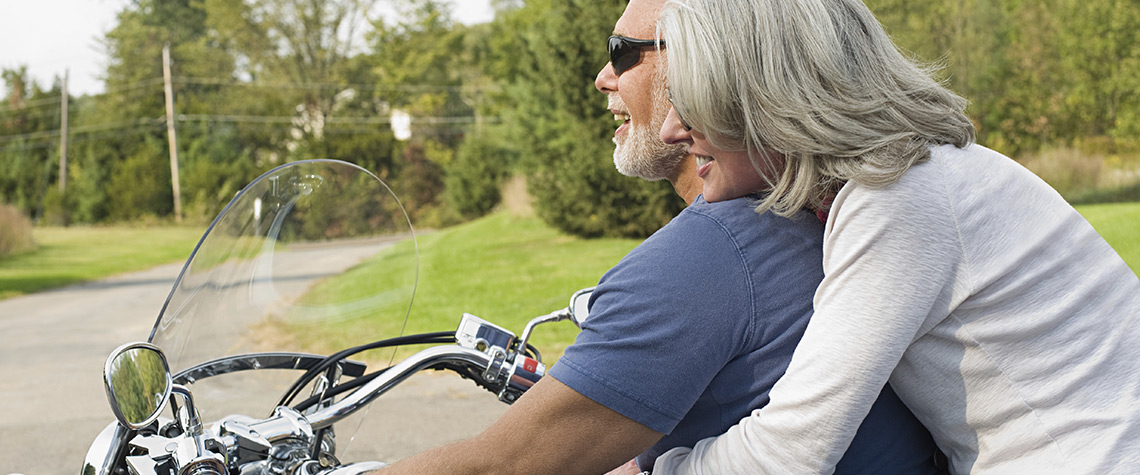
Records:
x=818, y=82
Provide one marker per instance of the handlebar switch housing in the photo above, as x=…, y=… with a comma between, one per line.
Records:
x=509, y=369
x=525, y=372
x=479, y=334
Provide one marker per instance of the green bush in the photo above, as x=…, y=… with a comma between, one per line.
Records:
x=15, y=231
x=213, y=166
x=474, y=178
x=1127, y=194
x=1088, y=174
x=140, y=184
x=1067, y=170
x=57, y=208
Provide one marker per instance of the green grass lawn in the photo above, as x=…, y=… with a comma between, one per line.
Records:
x=67, y=256
x=504, y=269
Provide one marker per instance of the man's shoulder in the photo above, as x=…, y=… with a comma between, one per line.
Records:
x=729, y=240
x=703, y=234
x=738, y=221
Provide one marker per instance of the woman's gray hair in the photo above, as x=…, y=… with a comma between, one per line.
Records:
x=818, y=82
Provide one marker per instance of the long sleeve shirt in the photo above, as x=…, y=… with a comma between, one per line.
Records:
x=1001, y=318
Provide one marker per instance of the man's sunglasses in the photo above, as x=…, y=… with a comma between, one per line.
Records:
x=625, y=52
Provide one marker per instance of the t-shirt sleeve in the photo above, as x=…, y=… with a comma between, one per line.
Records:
x=890, y=260
x=662, y=323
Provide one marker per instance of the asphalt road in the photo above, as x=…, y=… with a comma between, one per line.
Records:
x=53, y=346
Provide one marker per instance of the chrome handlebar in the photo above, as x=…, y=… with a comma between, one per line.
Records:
x=490, y=354
x=425, y=359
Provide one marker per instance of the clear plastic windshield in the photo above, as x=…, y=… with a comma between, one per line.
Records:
x=309, y=258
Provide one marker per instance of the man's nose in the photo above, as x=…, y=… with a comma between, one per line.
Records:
x=673, y=131
x=606, y=81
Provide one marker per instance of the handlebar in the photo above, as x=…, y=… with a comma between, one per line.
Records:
x=492, y=356
x=425, y=359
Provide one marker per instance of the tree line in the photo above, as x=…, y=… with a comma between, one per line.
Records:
x=258, y=83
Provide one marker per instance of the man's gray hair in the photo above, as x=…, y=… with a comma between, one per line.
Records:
x=818, y=82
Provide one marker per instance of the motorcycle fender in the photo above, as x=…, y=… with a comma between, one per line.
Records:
x=104, y=450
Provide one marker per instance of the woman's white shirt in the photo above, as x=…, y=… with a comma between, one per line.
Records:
x=1001, y=318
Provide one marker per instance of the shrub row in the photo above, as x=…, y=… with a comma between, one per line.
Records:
x=15, y=231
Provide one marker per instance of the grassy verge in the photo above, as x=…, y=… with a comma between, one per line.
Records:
x=67, y=256
x=505, y=269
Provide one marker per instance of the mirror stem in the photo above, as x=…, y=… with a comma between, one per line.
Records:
x=555, y=316
x=193, y=420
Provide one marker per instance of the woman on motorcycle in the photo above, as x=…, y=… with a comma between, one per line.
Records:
x=1001, y=318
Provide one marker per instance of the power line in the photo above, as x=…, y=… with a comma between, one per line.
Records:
x=290, y=120
x=357, y=86
x=42, y=112
x=45, y=102
x=329, y=120
x=79, y=130
x=91, y=137
x=134, y=85
x=55, y=101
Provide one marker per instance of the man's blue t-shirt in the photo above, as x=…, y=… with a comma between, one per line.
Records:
x=688, y=333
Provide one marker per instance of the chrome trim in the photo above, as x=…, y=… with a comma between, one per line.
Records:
x=523, y=375
x=356, y=468
x=579, y=308
x=396, y=375
x=555, y=316
x=206, y=464
x=193, y=425
x=111, y=391
x=286, y=423
x=104, y=450
x=251, y=361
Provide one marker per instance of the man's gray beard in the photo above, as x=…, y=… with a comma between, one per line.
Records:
x=643, y=155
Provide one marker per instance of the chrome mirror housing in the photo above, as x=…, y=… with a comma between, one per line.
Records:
x=138, y=382
x=580, y=305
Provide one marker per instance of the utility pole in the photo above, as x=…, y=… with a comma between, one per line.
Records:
x=63, y=138
x=170, y=133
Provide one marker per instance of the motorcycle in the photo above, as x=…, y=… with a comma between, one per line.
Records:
x=296, y=252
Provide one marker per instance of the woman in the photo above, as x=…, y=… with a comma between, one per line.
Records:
x=999, y=316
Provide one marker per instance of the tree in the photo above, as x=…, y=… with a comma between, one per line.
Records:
x=29, y=124
x=1099, y=50
x=303, y=42
x=420, y=64
x=131, y=167
x=547, y=54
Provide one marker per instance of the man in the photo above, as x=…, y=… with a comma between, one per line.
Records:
x=686, y=335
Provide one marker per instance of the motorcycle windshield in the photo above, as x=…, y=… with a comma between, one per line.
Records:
x=308, y=258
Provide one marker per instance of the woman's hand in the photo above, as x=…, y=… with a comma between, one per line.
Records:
x=629, y=468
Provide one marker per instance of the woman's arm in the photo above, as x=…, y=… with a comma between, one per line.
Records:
x=891, y=259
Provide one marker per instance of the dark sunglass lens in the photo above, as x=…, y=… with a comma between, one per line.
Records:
x=623, y=55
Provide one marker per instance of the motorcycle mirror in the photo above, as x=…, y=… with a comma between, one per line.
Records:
x=580, y=306
x=138, y=382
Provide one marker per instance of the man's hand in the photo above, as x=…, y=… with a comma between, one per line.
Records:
x=551, y=429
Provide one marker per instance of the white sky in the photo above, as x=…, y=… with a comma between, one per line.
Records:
x=50, y=36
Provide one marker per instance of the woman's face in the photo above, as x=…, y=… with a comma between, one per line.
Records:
x=725, y=174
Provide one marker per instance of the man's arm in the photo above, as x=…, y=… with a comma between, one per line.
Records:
x=551, y=429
